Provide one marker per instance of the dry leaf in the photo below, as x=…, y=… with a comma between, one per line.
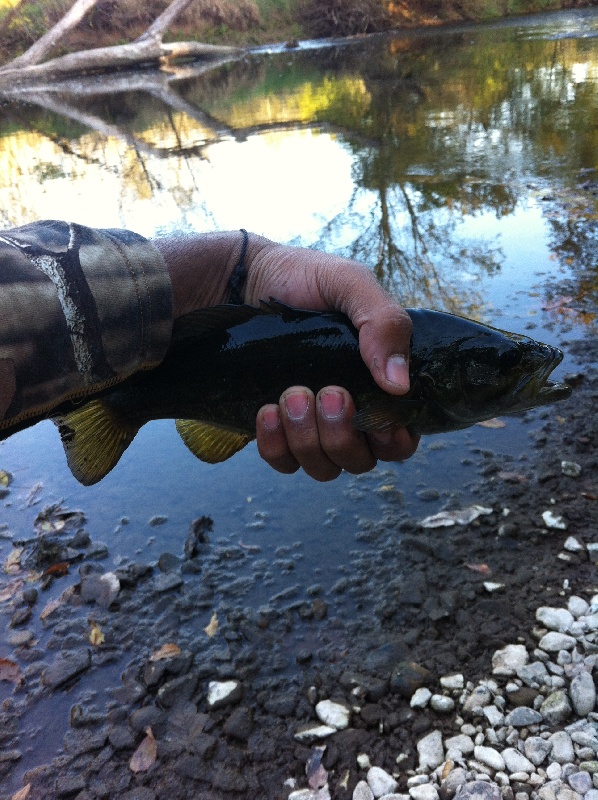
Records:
x=462, y=516
x=53, y=604
x=12, y=565
x=5, y=478
x=212, y=627
x=10, y=671
x=166, y=651
x=23, y=793
x=492, y=423
x=145, y=755
x=483, y=569
x=10, y=590
x=96, y=637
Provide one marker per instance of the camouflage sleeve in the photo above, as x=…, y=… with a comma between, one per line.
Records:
x=80, y=309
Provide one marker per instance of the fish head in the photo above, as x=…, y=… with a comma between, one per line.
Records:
x=478, y=372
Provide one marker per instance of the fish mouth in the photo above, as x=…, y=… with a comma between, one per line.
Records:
x=536, y=389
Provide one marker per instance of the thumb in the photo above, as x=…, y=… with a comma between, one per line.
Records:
x=384, y=343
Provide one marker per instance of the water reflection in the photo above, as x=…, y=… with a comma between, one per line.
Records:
x=385, y=149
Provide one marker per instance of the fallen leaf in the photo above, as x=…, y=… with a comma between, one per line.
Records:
x=23, y=793
x=463, y=516
x=145, y=755
x=166, y=651
x=12, y=565
x=483, y=569
x=212, y=627
x=512, y=477
x=492, y=423
x=10, y=590
x=557, y=304
x=96, y=637
x=588, y=495
x=50, y=607
x=10, y=671
x=57, y=570
x=5, y=478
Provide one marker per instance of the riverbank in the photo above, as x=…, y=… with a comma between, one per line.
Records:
x=246, y=23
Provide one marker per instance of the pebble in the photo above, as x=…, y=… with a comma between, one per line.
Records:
x=537, y=749
x=425, y=792
x=553, y=641
x=523, y=716
x=421, y=698
x=431, y=751
x=556, y=709
x=556, y=619
x=478, y=790
x=454, y=682
x=553, y=521
x=380, y=782
x=534, y=674
x=489, y=756
x=312, y=732
x=507, y=661
x=337, y=715
x=361, y=792
x=222, y=693
x=580, y=782
x=582, y=692
x=442, y=704
x=516, y=761
x=562, y=747
x=464, y=744
x=494, y=717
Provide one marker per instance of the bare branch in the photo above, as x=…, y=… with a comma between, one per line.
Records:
x=39, y=50
x=160, y=24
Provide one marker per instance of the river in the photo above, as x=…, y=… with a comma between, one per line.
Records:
x=459, y=164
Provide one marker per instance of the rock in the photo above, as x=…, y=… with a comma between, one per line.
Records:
x=580, y=782
x=167, y=581
x=478, y=790
x=536, y=749
x=555, y=619
x=442, y=704
x=562, y=747
x=426, y=791
x=554, y=771
x=552, y=642
x=534, y=674
x=66, y=668
x=494, y=717
x=335, y=714
x=380, y=782
x=420, y=698
x=577, y=605
x=507, y=661
x=522, y=716
x=490, y=757
x=571, y=468
x=224, y=693
x=361, y=792
x=239, y=724
x=556, y=708
x=515, y=761
x=464, y=744
x=177, y=690
x=572, y=545
x=456, y=778
x=454, y=682
x=407, y=677
x=312, y=732
x=430, y=751
x=480, y=697
x=553, y=521
x=582, y=692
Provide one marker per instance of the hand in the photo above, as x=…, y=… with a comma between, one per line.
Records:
x=317, y=433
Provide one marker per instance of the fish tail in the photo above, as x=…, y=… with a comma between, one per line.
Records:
x=94, y=438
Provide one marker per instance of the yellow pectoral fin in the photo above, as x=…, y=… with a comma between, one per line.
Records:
x=211, y=443
x=94, y=439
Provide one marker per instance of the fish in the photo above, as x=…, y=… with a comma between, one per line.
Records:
x=225, y=362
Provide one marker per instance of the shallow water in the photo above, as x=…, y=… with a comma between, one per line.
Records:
x=459, y=164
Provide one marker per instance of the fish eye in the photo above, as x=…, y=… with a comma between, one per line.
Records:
x=509, y=359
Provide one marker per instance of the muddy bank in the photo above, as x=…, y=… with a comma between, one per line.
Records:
x=221, y=695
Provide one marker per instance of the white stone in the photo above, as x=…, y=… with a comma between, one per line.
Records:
x=516, y=761
x=493, y=716
x=582, y=692
x=380, y=782
x=578, y=606
x=219, y=692
x=425, y=792
x=334, y=714
x=553, y=641
x=417, y=780
x=480, y=697
x=555, y=619
x=493, y=586
x=580, y=782
x=562, y=747
x=441, y=703
x=553, y=521
x=573, y=545
x=456, y=778
x=592, y=548
x=312, y=732
x=420, y=698
x=363, y=760
x=362, y=792
x=571, y=468
x=430, y=750
x=455, y=681
x=536, y=749
x=520, y=777
x=463, y=744
x=534, y=674
x=507, y=661
x=301, y=794
x=522, y=716
x=492, y=758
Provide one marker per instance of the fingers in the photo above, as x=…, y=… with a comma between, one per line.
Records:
x=315, y=433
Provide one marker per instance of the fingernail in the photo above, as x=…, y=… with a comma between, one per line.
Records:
x=296, y=405
x=271, y=418
x=397, y=371
x=332, y=404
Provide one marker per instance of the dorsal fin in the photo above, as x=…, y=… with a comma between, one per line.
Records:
x=211, y=443
x=94, y=439
x=205, y=321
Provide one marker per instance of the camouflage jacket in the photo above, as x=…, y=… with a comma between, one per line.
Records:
x=80, y=309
